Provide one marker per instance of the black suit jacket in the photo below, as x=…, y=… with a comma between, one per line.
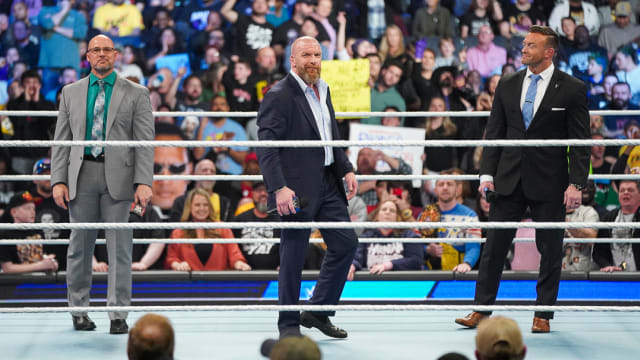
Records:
x=545, y=172
x=285, y=114
x=602, y=251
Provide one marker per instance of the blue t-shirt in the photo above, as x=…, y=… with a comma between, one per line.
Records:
x=461, y=213
x=224, y=162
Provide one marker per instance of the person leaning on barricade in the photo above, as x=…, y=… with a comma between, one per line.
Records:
x=203, y=257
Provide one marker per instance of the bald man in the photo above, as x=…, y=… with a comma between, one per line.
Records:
x=299, y=108
x=99, y=184
x=152, y=337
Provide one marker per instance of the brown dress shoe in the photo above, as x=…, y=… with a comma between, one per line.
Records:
x=540, y=325
x=471, y=320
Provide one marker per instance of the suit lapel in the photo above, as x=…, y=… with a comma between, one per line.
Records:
x=514, y=97
x=301, y=100
x=116, y=98
x=552, y=92
x=79, y=99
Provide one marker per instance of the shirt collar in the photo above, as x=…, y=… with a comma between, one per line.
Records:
x=545, y=74
x=110, y=79
x=321, y=84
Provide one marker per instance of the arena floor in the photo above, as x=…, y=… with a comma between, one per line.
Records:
x=372, y=335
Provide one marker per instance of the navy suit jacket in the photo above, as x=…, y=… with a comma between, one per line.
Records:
x=285, y=114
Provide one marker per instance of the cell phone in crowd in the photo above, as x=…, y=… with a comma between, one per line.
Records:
x=397, y=192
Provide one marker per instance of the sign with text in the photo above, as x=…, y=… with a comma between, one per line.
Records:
x=348, y=84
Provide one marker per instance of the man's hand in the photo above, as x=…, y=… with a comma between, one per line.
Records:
x=611, y=268
x=380, y=268
x=572, y=197
x=487, y=185
x=352, y=272
x=142, y=195
x=100, y=266
x=462, y=268
x=284, y=201
x=352, y=184
x=49, y=263
x=61, y=195
x=434, y=249
x=138, y=266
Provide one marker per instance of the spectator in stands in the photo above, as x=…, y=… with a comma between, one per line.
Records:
x=222, y=206
x=161, y=20
x=287, y=32
x=447, y=53
x=392, y=48
x=391, y=119
x=151, y=337
x=443, y=80
x=240, y=87
x=20, y=12
x=128, y=63
x=252, y=32
x=629, y=71
x=203, y=257
x=7, y=188
x=62, y=30
x=294, y=348
x=278, y=13
x=189, y=99
x=568, y=25
x=31, y=127
x=595, y=74
x=578, y=54
x=612, y=257
x=421, y=78
x=366, y=165
x=607, y=11
x=229, y=160
x=459, y=257
x=524, y=8
x=583, y=13
x=481, y=12
x=26, y=44
x=486, y=57
x=577, y=256
x=309, y=28
x=384, y=93
x=621, y=99
x=117, y=18
x=381, y=257
x=23, y=257
x=259, y=255
x=375, y=63
x=48, y=212
x=322, y=15
x=438, y=159
x=432, y=20
x=621, y=32
x=168, y=43
x=499, y=337
x=266, y=71
x=4, y=31
x=67, y=76
x=166, y=161
x=603, y=99
x=212, y=35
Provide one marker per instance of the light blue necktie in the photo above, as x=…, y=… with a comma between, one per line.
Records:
x=529, y=100
x=98, y=119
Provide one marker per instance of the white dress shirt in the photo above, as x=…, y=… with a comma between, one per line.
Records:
x=543, y=84
x=320, y=112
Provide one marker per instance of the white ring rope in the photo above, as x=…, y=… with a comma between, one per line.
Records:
x=319, y=241
x=320, y=143
x=362, y=307
x=321, y=225
x=352, y=114
x=358, y=177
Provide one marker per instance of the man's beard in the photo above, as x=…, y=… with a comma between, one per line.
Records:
x=262, y=206
x=310, y=78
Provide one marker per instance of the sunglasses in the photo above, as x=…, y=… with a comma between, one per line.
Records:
x=175, y=169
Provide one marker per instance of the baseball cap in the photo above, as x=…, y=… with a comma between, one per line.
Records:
x=19, y=199
x=623, y=8
x=257, y=184
x=41, y=166
x=499, y=334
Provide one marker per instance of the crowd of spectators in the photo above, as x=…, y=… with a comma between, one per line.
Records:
x=224, y=55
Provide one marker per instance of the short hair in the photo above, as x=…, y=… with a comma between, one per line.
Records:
x=373, y=54
x=445, y=39
x=552, y=36
x=152, y=337
x=30, y=74
x=296, y=348
x=191, y=77
x=636, y=182
x=166, y=129
x=568, y=18
x=391, y=63
x=453, y=356
x=621, y=83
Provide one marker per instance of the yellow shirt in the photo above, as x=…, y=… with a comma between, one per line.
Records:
x=634, y=156
x=125, y=17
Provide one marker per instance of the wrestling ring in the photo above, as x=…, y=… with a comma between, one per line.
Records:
x=396, y=315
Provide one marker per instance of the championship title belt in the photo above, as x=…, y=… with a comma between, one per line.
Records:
x=430, y=213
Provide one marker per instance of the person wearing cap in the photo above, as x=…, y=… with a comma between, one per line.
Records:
x=583, y=12
x=99, y=183
x=499, y=338
x=23, y=257
x=622, y=31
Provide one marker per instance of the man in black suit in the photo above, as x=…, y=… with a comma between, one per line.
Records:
x=540, y=102
x=299, y=108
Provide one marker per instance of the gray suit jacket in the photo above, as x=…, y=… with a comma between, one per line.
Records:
x=129, y=117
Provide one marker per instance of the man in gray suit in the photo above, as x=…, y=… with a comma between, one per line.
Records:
x=99, y=184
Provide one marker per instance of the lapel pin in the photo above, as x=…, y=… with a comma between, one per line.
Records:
x=556, y=85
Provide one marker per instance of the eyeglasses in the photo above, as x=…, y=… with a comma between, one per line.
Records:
x=174, y=169
x=97, y=50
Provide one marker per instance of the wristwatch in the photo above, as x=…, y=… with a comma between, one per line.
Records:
x=578, y=187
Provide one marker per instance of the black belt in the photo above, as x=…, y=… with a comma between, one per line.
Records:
x=99, y=158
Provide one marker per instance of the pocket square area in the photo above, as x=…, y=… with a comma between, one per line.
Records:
x=558, y=109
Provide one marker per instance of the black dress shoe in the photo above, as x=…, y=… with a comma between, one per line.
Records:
x=119, y=326
x=83, y=323
x=321, y=323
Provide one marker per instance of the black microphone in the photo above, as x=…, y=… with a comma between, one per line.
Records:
x=298, y=203
x=490, y=195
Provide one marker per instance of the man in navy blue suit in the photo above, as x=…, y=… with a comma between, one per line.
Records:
x=299, y=108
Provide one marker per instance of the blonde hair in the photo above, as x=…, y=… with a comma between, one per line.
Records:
x=186, y=214
x=384, y=43
x=450, y=128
